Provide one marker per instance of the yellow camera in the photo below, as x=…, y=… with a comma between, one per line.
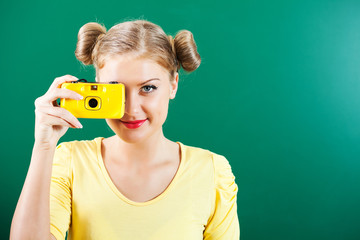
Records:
x=101, y=100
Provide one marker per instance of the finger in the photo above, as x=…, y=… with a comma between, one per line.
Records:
x=60, y=113
x=61, y=93
x=59, y=80
x=44, y=100
x=56, y=121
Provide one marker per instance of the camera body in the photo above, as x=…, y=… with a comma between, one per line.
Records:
x=100, y=100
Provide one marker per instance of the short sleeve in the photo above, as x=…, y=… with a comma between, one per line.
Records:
x=224, y=222
x=60, y=191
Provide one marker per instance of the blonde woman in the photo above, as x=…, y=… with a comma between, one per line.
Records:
x=136, y=184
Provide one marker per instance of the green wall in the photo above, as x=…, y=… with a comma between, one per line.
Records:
x=277, y=93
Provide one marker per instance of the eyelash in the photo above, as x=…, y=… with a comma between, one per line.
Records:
x=152, y=86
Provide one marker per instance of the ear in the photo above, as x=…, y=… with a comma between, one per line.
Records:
x=174, y=86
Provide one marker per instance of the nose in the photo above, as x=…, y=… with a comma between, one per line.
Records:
x=132, y=103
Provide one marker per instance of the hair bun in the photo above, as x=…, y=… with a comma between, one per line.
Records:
x=186, y=51
x=89, y=34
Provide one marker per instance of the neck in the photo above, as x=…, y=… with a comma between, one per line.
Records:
x=146, y=152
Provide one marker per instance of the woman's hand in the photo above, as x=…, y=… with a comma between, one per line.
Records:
x=51, y=121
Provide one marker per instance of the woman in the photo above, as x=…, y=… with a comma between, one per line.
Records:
x=136, y=184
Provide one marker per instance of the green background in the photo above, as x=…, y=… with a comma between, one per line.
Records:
x=277, y=93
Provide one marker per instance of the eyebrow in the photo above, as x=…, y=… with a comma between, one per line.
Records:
x=148, y=81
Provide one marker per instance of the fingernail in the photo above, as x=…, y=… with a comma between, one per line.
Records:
x=79, y=126
x=80, y=97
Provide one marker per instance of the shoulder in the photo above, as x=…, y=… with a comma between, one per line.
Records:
x=216, y=165
x=193, y=151
x=80, y=143
x=204, y=155
x=78, y=146
x=73, y=153
x=197, y=154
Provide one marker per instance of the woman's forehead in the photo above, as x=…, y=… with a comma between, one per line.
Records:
x=130, y=70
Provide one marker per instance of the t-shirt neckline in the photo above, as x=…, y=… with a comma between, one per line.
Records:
x=123, y=197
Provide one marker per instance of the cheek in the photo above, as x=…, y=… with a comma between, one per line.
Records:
x=158, y=106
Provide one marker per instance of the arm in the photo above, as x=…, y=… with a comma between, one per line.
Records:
x=31, y=219
x=223, y=222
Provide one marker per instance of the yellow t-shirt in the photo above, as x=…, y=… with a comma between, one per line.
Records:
x=199, y=203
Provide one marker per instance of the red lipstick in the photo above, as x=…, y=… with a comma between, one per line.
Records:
x=133, y=124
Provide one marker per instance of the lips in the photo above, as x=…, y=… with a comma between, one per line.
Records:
x=133, y=124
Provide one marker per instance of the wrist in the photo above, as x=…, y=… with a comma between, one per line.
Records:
x=45, y=146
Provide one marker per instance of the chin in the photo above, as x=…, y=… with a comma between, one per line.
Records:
x=132, y=135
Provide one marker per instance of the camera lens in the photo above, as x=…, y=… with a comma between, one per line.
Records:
x=93, y=102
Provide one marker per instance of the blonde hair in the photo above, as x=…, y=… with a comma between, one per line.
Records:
x=141, y=38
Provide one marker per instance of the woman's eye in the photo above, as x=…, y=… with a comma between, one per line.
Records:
x=149, y=88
